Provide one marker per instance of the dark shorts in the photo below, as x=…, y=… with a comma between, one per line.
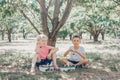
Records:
x=44, y=62
x=74, y=62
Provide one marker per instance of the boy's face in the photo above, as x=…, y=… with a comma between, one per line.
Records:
x=42, y=42
x=76, y=41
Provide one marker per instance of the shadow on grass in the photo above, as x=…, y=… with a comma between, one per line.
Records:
x=24, y=76
x=112, y=47
x=24, y=63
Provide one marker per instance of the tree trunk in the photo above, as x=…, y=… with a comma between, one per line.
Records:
x=9, y=35
x=24, y=35
x=52, y=41
x=70, y=36
x=63, y=37
x=95, y=37
x=90, y=37
x=103, y=36
x=3, y=35
x=80, y=34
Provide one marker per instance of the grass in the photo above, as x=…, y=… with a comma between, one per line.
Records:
x=113, y=67
x=23, y=63
x=94, y=56
x=112, y=47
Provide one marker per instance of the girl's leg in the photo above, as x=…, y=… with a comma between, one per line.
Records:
x=52, y=55
x=54, y=61
x=34, y=60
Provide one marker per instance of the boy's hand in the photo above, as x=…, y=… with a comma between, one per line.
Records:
x=76, y=51
x=70, y=50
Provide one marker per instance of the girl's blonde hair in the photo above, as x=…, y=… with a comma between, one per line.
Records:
x=41, y=36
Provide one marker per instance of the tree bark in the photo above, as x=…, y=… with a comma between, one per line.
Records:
x=90, y=37
x=63, y=37
x=70, y=36
x=103, y=35
x=9, y=35
x=52, y=41
x=24, y=35
x=3, y=35
x=80, y=34
x=55, y=20
x=95, y=36
x=44, y=15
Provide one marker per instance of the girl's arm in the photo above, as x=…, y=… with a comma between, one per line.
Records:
x=53, y=49
x=37, y=48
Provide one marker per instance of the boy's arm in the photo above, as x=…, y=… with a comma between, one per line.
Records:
x=81, y=54
x=66, y=53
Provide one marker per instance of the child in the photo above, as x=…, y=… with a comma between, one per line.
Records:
x=76, y=52
x=44, y=53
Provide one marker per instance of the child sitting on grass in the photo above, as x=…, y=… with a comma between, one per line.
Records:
x=76, y=53
x=44, y=53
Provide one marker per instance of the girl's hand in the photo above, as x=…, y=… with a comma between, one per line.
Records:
x=37, y=48
x=37, y=45
x=56, y=49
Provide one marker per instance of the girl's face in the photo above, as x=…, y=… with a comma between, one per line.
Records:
x=76, y=41
x=42, y=42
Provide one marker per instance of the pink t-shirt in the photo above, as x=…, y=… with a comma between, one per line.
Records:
x=44, y=52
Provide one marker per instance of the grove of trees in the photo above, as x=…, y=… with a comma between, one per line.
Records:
x=60, y=18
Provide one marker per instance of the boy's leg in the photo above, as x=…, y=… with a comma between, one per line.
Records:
x=84, y=61
x=66, y=62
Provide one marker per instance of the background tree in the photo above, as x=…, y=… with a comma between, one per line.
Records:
x=57, y=21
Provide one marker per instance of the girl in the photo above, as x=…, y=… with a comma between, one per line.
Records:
x=44, y=53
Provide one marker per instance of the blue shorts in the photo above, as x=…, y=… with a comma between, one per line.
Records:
x=44, y=62
x=74, y=62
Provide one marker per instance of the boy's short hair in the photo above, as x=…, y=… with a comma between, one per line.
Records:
x=41, y=36
x=75, y=36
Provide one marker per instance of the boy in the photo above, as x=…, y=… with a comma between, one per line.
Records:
x=77, y=54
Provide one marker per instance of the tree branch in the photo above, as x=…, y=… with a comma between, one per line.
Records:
x=56, y=14
x=116, y=2
x=28, y=7
x=44, y=15
x=49, y=4
x=45, y=9
x=64, y=17
x=22, y=12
